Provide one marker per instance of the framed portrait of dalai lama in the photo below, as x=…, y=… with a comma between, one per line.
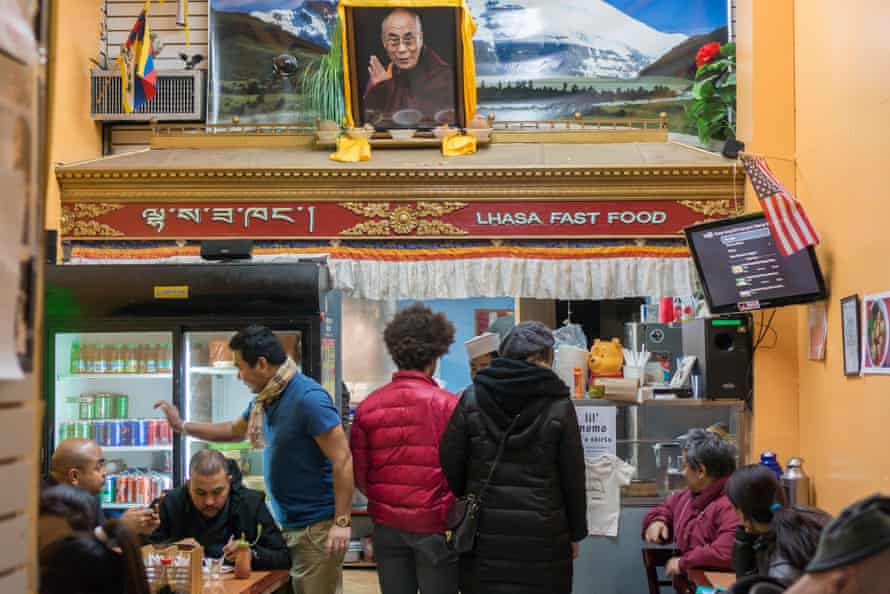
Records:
x=404, y=63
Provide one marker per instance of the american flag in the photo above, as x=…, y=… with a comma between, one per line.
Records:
x=787, y=220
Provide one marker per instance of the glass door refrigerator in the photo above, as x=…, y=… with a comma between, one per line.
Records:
x=105, y=385
x=214, y=393
x=122, y=337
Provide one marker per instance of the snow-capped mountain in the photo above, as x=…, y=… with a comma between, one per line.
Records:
x=529, y=39
x=309, y=22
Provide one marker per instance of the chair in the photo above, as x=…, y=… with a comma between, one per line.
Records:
x=653, y=558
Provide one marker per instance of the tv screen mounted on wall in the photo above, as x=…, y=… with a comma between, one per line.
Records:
x=741, y=268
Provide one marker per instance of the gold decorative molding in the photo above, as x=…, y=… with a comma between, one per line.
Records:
x=78, y=220
x=712, y=208
x=403, y=219
x=438, y=228
x=656, y=171
x=369, y=228
x=438, y=209
x=367, y=209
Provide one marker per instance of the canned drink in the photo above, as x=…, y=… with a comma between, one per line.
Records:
x=113, y=488
x=104, y=406
x=114, y=433
x=166, y=433
x=154, y=432
x=100, y=432
x=126, y=436
x=121, y=406
x=105, y=496
x=146, y=490
x=133, y=489
x=87, y=407
x=140, y=437
x=120, y=489
x=62, y=433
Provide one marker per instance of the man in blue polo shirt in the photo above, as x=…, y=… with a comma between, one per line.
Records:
x=307, y=463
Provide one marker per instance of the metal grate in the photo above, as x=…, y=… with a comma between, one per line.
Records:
x=180, y=97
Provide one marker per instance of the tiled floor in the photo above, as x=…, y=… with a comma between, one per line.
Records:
x=360, y=581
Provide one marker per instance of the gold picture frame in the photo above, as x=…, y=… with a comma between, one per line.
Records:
x=436, y=85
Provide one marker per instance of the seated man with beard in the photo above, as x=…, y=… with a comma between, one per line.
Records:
x=213, y=509
x=416, y=76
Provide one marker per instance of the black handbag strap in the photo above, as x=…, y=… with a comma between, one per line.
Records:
x=497, y=458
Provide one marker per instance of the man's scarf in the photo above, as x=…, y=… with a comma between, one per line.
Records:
x=270, y=394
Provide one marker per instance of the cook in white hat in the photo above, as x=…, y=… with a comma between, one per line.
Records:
x=482, y=350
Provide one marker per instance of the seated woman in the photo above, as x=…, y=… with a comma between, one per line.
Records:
x=64, y=510
x=700, y=520
x=106, y=560
x=772, y=540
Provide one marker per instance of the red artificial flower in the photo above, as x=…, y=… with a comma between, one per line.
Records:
x=706, y=53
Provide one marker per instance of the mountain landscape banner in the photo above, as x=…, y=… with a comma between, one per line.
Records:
x=279, y=60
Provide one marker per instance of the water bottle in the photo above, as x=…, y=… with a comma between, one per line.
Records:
x=769, y=459
x=796, y=483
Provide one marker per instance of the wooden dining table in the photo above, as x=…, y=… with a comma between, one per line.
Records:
x=713, y=579
x=259, y=582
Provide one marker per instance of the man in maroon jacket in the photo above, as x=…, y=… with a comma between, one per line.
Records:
x=416, y=76
x=395, y=458
x=700, y=520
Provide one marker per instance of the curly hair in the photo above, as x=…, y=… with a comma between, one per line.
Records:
x=416, y=337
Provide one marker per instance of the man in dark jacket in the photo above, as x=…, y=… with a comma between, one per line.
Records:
x=534, y=513
x=215, y=510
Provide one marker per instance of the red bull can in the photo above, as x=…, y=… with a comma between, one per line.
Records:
x=126, y=435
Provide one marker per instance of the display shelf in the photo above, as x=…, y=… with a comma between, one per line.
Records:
x=92, y=376
x=123, y=505
x=214, y=370
x=152, y=448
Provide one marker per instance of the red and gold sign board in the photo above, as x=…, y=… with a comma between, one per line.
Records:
x=420, y=219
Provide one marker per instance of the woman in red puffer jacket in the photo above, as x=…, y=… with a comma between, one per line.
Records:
x=395, y=458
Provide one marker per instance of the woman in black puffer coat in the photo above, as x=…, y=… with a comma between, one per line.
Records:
x=534, y=514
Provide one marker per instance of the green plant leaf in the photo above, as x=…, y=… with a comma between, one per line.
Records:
x=702, y=90
x=727, y=49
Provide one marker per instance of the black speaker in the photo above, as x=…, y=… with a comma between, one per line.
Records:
x=723, y=350
x=732, y=148
x=227, y=249
x=50, y=246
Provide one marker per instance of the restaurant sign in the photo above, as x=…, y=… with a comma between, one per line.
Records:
x=326, y=220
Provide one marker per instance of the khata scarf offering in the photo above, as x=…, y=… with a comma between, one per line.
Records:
x=270, y=394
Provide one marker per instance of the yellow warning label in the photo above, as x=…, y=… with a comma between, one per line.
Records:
x=172, y=292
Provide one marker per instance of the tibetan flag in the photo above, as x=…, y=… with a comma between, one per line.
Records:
x=790, y=227
x=138, y=76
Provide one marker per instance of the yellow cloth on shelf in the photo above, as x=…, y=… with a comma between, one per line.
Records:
x=456, y=144
x=352, y=150
x=467, y=30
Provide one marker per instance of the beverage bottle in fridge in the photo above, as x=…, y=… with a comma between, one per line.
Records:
x=74, y=367
x=151, y=359
x=131, y=360
x=87, y=407
x=165, y=358
x=86, y=358
x=121, y=406
x=117, y=358
x=140, y=358
x=108, y=357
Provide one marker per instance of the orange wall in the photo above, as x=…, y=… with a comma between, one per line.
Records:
x=765, y=55
x=814, y=84
x=73, y=136
x=843, y=152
